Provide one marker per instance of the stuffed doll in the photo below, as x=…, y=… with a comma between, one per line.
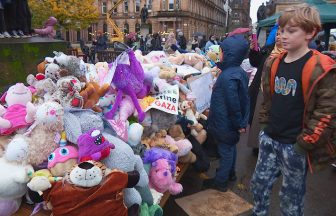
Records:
x=80, y=121
x=162, y=172
x=90, y=188
x=195, y=60
x=183, y=145
x=92, y=145
x=45, y=136
x=187, y=111
x=123, y=158
x=74, y=65
x=20, y=112
x=91, y=95
x=129, y=79
x=16, y=175
x=159, y=140
x=135, y=131
x=54, y=72
x=106, y=102
x=41, y=67
x=13, y=185
x=102, y=70
x=176, y=59
x=167, y=73
x=67, y=93
x=44, y=87
x=62, y=159
x=41, y=181
x=158, y=120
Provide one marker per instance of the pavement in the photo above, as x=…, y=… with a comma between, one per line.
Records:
x=320, y=198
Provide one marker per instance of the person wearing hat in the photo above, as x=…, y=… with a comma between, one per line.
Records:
x=229, y=107
x=181, y=41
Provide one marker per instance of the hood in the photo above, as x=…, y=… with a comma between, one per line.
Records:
x=235, y=49
x=51, y=21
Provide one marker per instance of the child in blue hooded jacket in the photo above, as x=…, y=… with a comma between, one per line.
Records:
x=229, y=107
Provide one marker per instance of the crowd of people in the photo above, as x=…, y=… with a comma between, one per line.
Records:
x=289, y=109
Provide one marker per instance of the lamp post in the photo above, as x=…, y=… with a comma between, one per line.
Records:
x=228, y=10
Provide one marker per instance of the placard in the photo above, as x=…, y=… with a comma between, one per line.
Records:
x=166, y=101
x=201, y=86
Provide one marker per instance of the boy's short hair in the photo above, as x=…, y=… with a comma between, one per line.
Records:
x=303, y=16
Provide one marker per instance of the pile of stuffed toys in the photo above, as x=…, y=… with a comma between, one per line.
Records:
x=75, y=139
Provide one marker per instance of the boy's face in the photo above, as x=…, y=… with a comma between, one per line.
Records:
x=294, y=37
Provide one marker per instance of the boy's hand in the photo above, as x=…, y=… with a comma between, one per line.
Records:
x=242, y=130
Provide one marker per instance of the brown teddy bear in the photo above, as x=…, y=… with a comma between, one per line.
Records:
x=176, y=132
x=91, y=94
x=158, y=140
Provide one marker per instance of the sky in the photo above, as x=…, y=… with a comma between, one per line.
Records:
x=254, y=7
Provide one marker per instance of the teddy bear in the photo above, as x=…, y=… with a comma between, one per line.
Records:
x=176, y=59
x=162, y=171
x=54, y=72
x=20, y=112
x=67, y=93
x=88, y=187
x=16, y=175
x=176, y=133
x=91, y=95
x=159, y=140
x=75, y=66
x=195, y=60
x=167, y=73
x=123, y=158
x=187, y=111
x=44, y=87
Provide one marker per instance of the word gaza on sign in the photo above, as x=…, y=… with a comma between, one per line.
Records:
x=166, y=101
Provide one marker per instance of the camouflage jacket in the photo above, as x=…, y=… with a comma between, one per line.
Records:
x=318, y=137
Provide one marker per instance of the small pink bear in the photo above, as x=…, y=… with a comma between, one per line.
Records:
x=20, y=112
x=161, y=178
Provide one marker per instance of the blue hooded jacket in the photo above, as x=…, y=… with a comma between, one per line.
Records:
x=229, y=107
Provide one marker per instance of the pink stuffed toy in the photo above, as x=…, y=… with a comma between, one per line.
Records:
x=184, y=145
x=127, y=109
x=20, y=112
x=161, y=178
x=48, y=28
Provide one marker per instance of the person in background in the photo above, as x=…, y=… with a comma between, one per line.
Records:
x=99, y=42
x=257, y=59
x=202, y=43
x=297, y=113
x=212, y=41
x=194, y=43
x=229, y=107
x=170, y=41
x=319, y=45
x=156, y=42
x=181, y=41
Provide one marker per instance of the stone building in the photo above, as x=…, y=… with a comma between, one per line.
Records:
x=190, y=16
x=240, y=14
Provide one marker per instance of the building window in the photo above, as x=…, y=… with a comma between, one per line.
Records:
x=126, y=28
x=113, y=3
x=78, y=35
x=149, y=4
x=171, y=5
x=137, y=5
x=137, y=27
x=103, y=8
x=178, y=5
x=104, y=28
x=164, y=4
x=126, y=6
x=235, y=22
x=235, y=15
